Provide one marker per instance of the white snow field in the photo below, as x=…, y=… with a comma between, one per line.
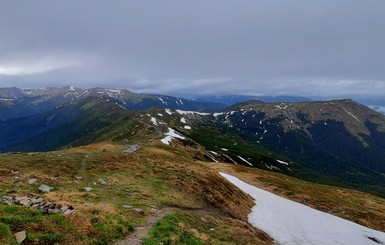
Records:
x=289, y=222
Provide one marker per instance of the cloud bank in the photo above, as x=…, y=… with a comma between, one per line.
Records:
x=310, y=48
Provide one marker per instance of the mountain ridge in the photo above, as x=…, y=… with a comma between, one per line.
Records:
x=340, y=142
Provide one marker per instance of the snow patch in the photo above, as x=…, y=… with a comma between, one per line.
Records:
x=191, y=112
x=282, y=162
x=171, y=134
x=168, y=111
x=283, y=107
x=183, y=120
x=163, y=102
x=118, y=91
x=187, y=127
x=218, y=114
x=289, y=222
x=245, y=160
x=153, y=120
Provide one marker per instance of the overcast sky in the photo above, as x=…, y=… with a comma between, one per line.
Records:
x=302, y=47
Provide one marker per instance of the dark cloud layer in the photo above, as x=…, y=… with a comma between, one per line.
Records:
x=302, y=47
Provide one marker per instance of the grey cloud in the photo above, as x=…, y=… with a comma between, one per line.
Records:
x=306, y=47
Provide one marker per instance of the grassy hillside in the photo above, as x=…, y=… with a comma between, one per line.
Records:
x=136, y=185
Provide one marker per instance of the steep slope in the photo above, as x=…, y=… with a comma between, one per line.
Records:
x=58, y=127
x=338, y=139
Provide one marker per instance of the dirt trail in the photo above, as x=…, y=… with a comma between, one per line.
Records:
x=140, y=232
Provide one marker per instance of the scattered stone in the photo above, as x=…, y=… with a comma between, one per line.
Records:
x=20, y=236
x=131, y=148
x=102, y=182
x=45, y=188
x=32, y=181
x=78, y=177
x=68, y=212
x=212, y=229
x=54, y=211
x=17, y=177
x=138, y=210
x=7, y=200
x=14, y=172
x=88, y=188
x=127, y=206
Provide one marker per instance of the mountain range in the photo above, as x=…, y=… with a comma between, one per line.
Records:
x=339, y=142
x=114, y=158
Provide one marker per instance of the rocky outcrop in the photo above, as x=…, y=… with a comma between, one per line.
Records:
x=38, y=203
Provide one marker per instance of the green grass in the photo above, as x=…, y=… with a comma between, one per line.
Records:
x=168, y=231
x=4, y=230
x=16, y=218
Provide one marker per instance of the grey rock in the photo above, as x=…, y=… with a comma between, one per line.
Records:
x=131, y=148
x=102, y=182
x=45, y=188
x=32, y=181
x=20, y=236
x=138, y=210
x=68, y=212
x=54, y=211
x=88, y=188
x=127, y=206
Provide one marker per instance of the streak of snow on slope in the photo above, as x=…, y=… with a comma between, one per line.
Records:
x=163, y=102
x=171, y=134
x=245, y=160
x=187, y=127
x=282, y=162
x=290, y=222
x=118, y=91
x=192, y=112
x=351, y=114
x=168, y=111
x=218, y=114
